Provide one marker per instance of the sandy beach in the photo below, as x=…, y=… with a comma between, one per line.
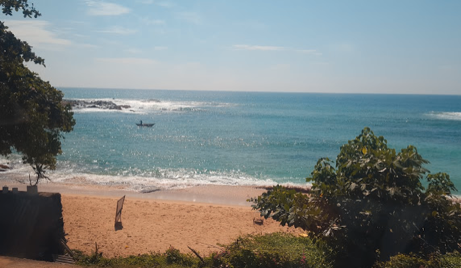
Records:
x=201, y=217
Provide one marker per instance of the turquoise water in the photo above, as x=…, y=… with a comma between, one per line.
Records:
x=238, y=138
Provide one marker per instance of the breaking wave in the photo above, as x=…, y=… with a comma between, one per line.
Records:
x=139, y=181
x=140, y=106
x=446, y=115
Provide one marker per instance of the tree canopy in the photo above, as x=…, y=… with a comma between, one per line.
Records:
x=32, y=115
x=371, y=204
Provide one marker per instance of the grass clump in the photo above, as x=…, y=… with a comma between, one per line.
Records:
x=251, y=251
x=272, y=250
x=172, y=258
x=450, y=260
x=407, y=261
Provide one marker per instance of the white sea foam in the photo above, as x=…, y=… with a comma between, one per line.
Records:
x=164, y=179
x=149, y=106
x=160, y=179
x=446, y=115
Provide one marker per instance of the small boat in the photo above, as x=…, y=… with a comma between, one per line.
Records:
x=145, y=125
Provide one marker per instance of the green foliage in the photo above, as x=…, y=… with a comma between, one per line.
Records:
x=174, y=256
x=271, y=250
x=450, y=260
x=372, y=204
x=16, y=5
x=141, y=261
x=170, y=259
x=265, y=251
x=408, y=261
x=32, y=116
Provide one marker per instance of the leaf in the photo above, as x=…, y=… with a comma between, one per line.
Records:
x=353, y=185
x=391, y=190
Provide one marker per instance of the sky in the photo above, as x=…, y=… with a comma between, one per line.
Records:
x=392, y=47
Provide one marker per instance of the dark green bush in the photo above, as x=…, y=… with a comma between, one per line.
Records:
x=141, y=261
x=371, y=202
x=450, y=260
x=407, y=261
x=174, y=256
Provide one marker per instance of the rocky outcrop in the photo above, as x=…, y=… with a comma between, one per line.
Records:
x=105, y=105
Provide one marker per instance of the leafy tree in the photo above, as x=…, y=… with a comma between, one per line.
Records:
x=32, y=115
x=372, y=204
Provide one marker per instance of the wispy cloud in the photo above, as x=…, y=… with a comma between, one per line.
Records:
x=101, y=8
x=166, y=4
x=310, y=52
x=78, y=35
x=146, y=2
x=260, y=48
x=276, y=48
x=344, y=47
x=84, y=45
x=134, y=51
x=255, y=25
x=281, y=67
x=191, y=17
x=149, y=21
x=36, y=32
x=130, y=61
x=118, y=30
x=321, y=63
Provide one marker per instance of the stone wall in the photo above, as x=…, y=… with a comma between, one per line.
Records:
x=31, y=225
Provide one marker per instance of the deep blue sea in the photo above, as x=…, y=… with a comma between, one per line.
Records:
x=244, y=138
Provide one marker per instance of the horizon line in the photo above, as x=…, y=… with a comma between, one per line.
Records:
x=255, y=91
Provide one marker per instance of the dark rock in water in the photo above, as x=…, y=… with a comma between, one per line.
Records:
x=149, y=190
x=104, y=105
x=152, y=100
x=4, y=166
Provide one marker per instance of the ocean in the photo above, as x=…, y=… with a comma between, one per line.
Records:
x=241, y=138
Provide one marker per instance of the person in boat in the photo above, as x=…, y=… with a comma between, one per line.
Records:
x=141, y=122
